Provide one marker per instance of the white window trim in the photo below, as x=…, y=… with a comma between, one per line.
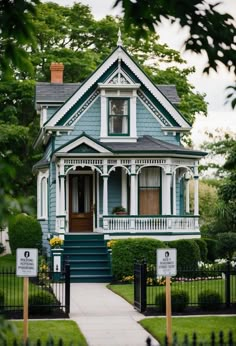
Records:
x=132, y=96
x=42, y=213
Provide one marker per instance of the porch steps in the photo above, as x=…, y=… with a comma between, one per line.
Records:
x=88, y=257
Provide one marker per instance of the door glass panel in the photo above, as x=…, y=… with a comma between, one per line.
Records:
x=81, y=194
x=75, y=200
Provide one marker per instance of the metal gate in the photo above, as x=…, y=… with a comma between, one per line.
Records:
x=140, y=286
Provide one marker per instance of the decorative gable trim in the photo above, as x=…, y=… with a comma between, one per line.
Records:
x=162, y=120
x=154, y=90
x=83, y=108
x=119, y=54
x=79, y=143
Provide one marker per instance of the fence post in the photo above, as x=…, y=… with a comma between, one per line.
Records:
x=67, y=288
x=143, y=286
x=227, y=284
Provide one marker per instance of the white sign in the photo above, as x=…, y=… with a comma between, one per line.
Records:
x=166, y=262
x=27, y=262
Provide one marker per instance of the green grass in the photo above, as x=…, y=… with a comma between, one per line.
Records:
x=66, y=330
x=8, y=262
x=193, y=288
x=203, y=326
x=11, y=284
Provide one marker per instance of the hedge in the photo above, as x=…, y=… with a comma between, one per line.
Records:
x=126, y=251
x=24, y=232
x=211, y=249
x=203, y=249
x=188, y=253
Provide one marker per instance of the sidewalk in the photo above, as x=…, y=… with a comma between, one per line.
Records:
x=105, y=318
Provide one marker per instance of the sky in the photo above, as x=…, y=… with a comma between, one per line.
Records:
x=219, y=114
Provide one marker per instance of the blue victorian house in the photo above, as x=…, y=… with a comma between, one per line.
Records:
x=114, y=140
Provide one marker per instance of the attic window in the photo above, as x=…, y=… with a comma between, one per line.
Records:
x=118, y=116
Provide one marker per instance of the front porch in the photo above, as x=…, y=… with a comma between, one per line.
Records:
x=139, y=224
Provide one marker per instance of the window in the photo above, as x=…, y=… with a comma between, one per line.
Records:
x=118, y=116
x=149, y=191
x=43, y=198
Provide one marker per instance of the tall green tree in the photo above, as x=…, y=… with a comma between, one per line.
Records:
x=209, y=31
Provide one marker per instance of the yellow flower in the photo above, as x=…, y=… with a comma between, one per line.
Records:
x=55, y=241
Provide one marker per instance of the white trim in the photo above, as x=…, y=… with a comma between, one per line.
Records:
x=83, y=140
x=124, y=189
x=42, y=209
x=118, y=139
x=117, y=55
x=154, y=90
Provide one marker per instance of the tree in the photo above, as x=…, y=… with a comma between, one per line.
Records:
x=83, y=48
x=209, y=31
x=225, y=212
x=16, y=30
x=226, y=246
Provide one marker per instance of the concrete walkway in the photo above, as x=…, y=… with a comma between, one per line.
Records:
x=105, y=318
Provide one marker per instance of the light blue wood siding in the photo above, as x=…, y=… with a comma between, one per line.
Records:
x=89, y=122
x=51, y=110
x=148, y=125
x=114, y=191
x=52, y=198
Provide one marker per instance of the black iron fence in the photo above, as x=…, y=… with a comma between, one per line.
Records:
x=219, y=339
x=215, y=284
x=49, y=294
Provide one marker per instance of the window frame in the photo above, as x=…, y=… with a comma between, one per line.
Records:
x=109, y=116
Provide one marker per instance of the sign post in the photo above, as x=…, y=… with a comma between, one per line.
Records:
x=26, y=266
x=166, y=266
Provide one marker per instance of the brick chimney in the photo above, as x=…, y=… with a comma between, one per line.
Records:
x=57, y=72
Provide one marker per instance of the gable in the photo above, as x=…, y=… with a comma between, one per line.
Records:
x=82, y=144
x=107, y=74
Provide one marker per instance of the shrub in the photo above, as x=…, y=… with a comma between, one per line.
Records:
x=1, y=298
x=203, y=249
x=209, y=300
x=24, y=232
x=41, y=303
x=126, y=251
x=179, y=301
x=226, y=245
x=2, y=248
x=188, y=253
x=211, y=249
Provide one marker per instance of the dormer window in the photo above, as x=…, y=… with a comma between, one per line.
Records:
x=118, y=116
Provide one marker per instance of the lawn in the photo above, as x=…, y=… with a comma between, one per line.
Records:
x=66, y=330
x=11, y=284
x=203, y=326
x=193, y=288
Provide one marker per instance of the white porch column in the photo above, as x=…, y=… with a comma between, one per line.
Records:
x=187, y=194
x=133, y=190
x=124, y=189
x=105, y=189
x=105, y=195
x=62, y=194
x=174, y=192
x=196, y=202
x=166, y=201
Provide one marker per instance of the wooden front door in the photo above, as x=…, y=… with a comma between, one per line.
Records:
x=80, y=203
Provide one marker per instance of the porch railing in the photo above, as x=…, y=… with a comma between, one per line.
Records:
x=150, y=223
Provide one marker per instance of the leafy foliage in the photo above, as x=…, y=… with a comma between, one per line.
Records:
x=24, y=232
x=209, y=30
x=188, y=253
x=209, y=300
x=226, y=246
x=41, y=303
x=203, y=249
x=126, y=251
x=211, y=249
x=179, y=301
